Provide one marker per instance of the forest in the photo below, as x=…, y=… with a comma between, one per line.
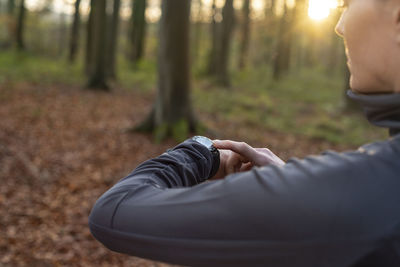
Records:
x=91, y=88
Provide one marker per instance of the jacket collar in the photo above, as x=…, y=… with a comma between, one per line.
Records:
x=382, y=110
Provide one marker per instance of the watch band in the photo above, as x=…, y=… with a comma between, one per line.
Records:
x=216, y=162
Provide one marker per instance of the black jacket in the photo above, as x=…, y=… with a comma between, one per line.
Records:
x=336, y=209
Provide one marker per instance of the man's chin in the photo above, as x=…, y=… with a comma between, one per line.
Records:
x=356, y=88
x=352, y=85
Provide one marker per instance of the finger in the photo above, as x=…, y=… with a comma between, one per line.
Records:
x=269, y=156
x=264, y=151
x=237, y=167
x=246, y=167
x=230, y=166
x=227, y=153
x=239, y=147
x=233, y=163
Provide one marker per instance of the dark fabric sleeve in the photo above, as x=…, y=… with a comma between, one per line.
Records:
x=328, y=210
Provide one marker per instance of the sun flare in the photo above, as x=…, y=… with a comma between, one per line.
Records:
x=320, y=9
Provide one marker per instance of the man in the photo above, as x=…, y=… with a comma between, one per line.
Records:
x=336, y=209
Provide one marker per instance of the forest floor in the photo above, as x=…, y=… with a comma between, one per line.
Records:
x=62, y=147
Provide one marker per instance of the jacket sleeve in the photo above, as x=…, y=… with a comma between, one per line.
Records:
x=311, y=212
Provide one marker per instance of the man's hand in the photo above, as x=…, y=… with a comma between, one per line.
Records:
x=239, y=156
x=231, y=162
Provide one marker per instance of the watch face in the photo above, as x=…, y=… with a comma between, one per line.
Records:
x=204, y=141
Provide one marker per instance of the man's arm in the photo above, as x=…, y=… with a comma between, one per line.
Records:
x=306, y=213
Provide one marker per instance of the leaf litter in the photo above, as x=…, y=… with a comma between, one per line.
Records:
x=61, y=148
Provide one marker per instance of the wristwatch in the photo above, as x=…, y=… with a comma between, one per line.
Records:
x=214, y=152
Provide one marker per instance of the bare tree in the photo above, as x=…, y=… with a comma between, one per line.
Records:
x=197, y=32
x=282, y=57
x=172, y=113
x=222, y=35
x=270, y=7
x=10, y=7
x=300, y=11
x=212, y=58
x=21, y=26
x=138, y=29
x=62, y=33
x=227, y=24
x=97, y=74
x=245, y=38
x=113, y=39
x=10, y=22
x=74, y=39
x=89, y=39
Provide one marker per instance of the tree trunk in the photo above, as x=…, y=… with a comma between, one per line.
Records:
x=299, y=13
x=270, y=7
x=113, y=40
x=228, y=19
x=281, y=60
x=10, y=21
x=138, y=29
x=245, y=34
x=212, y=58
x=287, y=48
x=197, y=31
x=74, y=39
x=10, y=7
x=62, y=32
x=21, y=26
x=172, y=113
x=89, y=40
x=97, y=76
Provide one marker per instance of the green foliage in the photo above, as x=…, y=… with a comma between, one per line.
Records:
x=141, y=77
x=25, y=67
x=31, y=68
x=308, y=103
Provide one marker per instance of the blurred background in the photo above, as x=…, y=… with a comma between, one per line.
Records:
x=89, y=89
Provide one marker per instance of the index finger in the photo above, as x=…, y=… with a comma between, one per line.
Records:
x=241, y=148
